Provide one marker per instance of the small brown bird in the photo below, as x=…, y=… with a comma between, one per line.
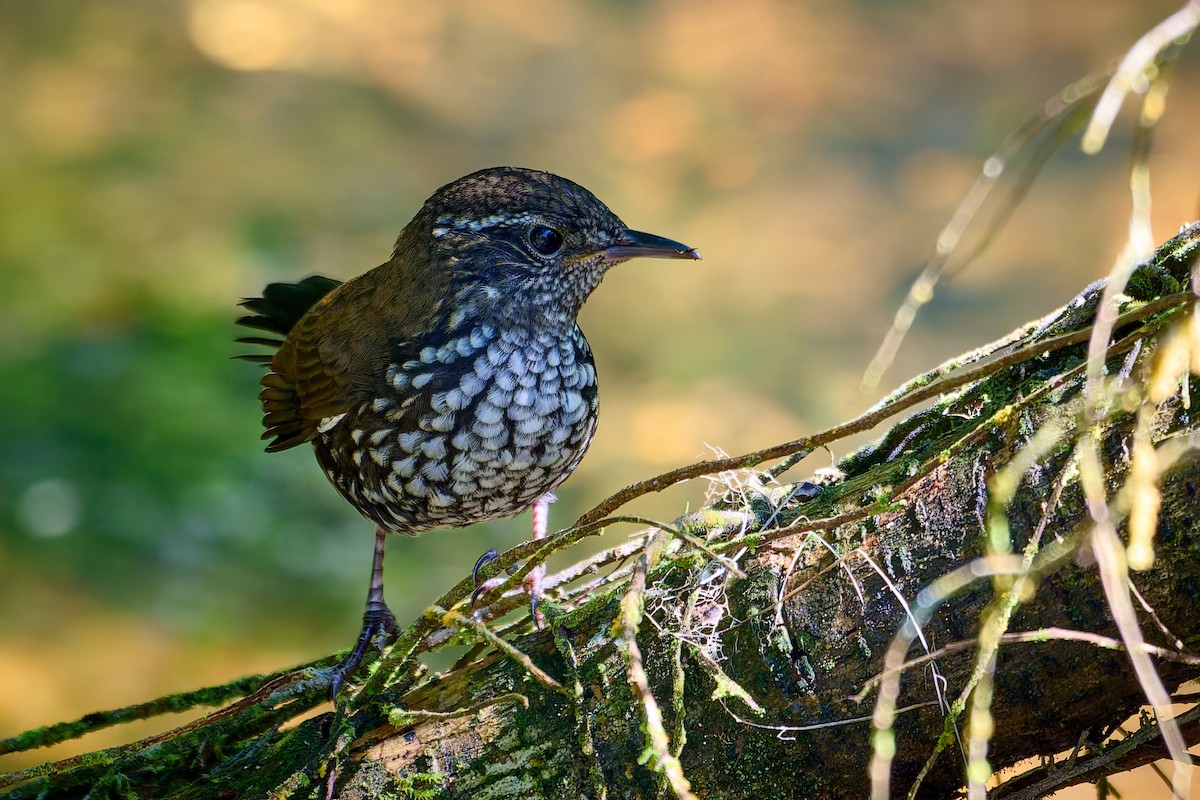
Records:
x=451, y=384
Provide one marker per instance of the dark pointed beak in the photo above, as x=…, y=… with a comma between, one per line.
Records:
x=634, y=244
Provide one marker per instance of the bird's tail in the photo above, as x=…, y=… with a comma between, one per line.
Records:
x=278, y=310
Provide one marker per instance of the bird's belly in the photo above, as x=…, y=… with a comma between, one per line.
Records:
x=488, y=446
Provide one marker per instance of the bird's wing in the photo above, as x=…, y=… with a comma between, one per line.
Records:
x=304, y=385
x=335, y=354
x=312, y=377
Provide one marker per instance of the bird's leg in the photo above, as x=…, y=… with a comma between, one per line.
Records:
x=379, y=624
x=533, y=581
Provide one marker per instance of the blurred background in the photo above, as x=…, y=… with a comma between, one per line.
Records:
x=161, y=160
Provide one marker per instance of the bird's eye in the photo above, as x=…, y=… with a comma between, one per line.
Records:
x=545, y=239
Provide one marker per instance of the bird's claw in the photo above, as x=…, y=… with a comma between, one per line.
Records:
x=532, y=583
x=483, y=561
x=487, y=587
x=379, y=629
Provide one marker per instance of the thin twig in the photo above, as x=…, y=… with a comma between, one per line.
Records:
x=485, y=633
x=657, y=740
x=866, y=421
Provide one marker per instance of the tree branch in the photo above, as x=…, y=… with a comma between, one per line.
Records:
x=745, y=656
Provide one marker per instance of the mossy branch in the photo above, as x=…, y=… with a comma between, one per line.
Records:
x=967, y=530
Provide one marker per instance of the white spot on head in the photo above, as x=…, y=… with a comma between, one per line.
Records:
x=476, y=224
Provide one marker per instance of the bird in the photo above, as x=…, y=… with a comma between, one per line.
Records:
x=451, y=384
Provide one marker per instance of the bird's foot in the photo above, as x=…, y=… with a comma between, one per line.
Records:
x=532, y=583
x=484, y=587
x=483, y=561
x=379, y=630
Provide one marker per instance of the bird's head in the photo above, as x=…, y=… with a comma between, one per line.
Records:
x=527, y=240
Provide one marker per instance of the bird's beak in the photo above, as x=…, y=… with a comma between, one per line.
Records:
x=632, y=244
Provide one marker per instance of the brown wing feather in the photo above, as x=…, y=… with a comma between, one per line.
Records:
x=301, y=389
x=336, y=355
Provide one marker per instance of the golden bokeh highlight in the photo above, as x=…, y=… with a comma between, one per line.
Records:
x=655, y=125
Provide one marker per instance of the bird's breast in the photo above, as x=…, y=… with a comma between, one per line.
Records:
x=475, y=427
